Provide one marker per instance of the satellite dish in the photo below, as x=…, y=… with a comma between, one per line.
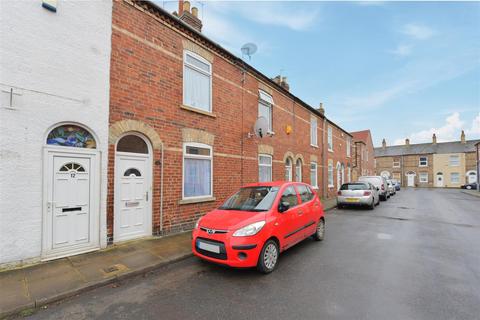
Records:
x=249, y=49
x=261, y=127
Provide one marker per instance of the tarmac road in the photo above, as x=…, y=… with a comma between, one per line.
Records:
x=416, y=256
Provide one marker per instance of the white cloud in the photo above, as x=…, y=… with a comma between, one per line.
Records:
x=402, y=50
x=418, y=31
x=449, y=131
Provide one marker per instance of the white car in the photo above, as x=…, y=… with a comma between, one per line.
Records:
x=380, y=183
x=391, y=187
x=358, y=194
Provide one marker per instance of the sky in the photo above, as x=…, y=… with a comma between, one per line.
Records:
x=400, y=69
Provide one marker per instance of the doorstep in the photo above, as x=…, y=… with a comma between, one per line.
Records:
x=37, y=285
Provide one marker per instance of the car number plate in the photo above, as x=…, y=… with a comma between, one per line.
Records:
x=352, y=200
x=208, y=247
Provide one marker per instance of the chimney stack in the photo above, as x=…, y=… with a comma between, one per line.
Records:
x=462, y=137
x=188, y=16
x=434, y=139
x=407, y=142
x=282, y=82
x=321, y=109
x=384, y=144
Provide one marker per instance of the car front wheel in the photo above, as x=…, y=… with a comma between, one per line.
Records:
x=267, y=261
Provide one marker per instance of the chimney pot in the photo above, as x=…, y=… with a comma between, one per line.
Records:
x=186, y=6
x=321, y=109
x=434, y=139
x=384, y=144
x=462, y=137
x=407, y=142
x=195, y=12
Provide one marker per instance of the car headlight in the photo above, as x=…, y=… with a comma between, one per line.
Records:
x=249, y=230
x=197, y=223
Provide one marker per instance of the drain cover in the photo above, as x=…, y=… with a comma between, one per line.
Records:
x=110, y=269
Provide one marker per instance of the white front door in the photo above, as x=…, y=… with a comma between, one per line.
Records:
x=411, y=180
x=133, y=217
x=439, y=182
x=71, y=215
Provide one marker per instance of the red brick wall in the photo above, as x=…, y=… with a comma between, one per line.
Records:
x=146, y=85
x=339, y=156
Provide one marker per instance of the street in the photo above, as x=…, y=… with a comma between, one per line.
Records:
x=416, y=256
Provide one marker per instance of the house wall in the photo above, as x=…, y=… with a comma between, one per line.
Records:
x=146, y=89
x=338, y=157
x=57, y=65
x=441, y=164
x=408, y=163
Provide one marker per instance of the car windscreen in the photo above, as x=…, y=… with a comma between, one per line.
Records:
x=354, y=186
x=251, y=199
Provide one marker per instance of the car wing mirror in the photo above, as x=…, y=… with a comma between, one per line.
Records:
x=283, y=206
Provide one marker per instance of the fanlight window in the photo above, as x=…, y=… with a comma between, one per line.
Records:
x=72, y=166
x=133, y=144
x=132, y=171
x=71, y=136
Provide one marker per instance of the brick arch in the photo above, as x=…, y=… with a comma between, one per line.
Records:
x=289, y=154
x=299, y=156
x=123, y=126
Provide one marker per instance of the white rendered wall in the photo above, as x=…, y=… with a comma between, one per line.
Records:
x=58, y=65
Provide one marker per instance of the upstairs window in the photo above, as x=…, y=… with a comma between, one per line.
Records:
x=348, y=147
x=265, y=105
x=330, y=139
x=197, y=82
x=396, y=163
x=454, y=161
x=313, y=132
x=423, y=162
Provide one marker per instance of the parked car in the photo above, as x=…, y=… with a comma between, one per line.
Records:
x=470, y=186
x=391, y=187
x=257, y=223
x=358, y=194
x=396, y=183
x=380, y=183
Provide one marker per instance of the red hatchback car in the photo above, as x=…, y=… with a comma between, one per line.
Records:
x=257, y=223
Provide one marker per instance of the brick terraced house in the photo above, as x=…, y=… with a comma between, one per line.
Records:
x=363, y=154
x=182, y=111
x=435, y=164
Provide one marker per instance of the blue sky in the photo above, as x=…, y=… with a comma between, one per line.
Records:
x=401, y=69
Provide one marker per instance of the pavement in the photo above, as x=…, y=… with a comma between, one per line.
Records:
x=475, y=193
x=415, y=256
x=35, y=286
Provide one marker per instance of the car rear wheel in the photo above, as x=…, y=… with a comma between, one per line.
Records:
x=267, y=261
x=319, y=234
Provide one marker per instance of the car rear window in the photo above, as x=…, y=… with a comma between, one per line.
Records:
x=354, y=186
x=372, y=180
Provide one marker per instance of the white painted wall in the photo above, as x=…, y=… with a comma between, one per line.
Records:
x=59, y=64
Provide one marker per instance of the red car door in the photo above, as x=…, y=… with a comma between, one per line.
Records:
x=306, y=208
x=290, y=222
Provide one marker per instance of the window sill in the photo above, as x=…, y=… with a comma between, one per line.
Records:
x=314, y=146
x=192, y=109
x=197, y=200
x=331, y=186
x=330, y=150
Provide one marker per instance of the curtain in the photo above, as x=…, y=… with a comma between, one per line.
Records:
x=197, y=89
x=197, y=177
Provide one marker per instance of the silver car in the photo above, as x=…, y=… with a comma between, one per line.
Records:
x=380, y=183
x=358, y=194
x=391, y=187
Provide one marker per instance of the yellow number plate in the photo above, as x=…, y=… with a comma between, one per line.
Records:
x=352, y=200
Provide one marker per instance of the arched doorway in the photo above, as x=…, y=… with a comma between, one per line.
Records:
x=410, y=178
x=298, y=170
x=343, y=173
x=71, y=192
x=439, y=179
x=471, y=176
x=339, y=175
x=385, y=174
x=133, y=187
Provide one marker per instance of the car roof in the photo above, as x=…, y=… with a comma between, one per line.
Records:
x=272, y=184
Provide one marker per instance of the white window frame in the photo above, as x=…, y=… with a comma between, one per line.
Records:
x=314, y=172
x=265, y=165
x=330, y=138
x=457, y=161
x=349, y=174
x=330, y=175
x=289, y=169
x=420, y=162
x=396, y=164
x=192, y=156
x=266, y=100
x=195, y=68
x=298, y=177
x=348, y=147
x=313, y=132
x=422, y=175
x=451, y=176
